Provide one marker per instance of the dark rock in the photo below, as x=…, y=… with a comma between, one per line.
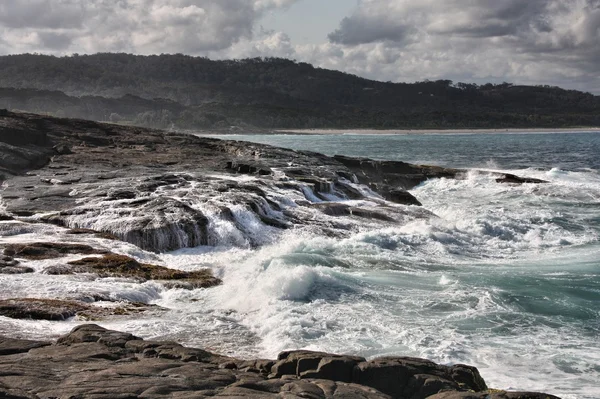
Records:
x=16, y=269
x=94, y=333
x=5, y=217
x=58, y=270
x=399, y=196
x=98, y=234
x=308, y=364
x=49, y=250
x=513, y=179
x=40, y=309
x=411, y=377
x=151, y=204
x=335, y=368
x=247, y=168
x=11, y=346
x=112, y=265
x=62, y=149
x=93, y=362
x=394, y=173
x=333, y=209
x=58, y=310
x=159, y=224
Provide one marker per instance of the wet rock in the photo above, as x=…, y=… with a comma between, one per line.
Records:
x=112, y=265
x=398, y=196
x=62, y=149
x=338, y=209
x=394, y=173
x=48, y=250
x=132, y=187
x=333, y=209
x=95, y=233
x=248, y=168
x=40, y=309
x=60, y=310
x=154, y=224
x=9, y=265
x=513, y=179
x=58, y=270
x=5, y=217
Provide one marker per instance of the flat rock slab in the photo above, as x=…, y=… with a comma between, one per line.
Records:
x=119, y=180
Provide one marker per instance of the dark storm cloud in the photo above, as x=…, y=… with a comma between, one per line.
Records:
x=353, y=32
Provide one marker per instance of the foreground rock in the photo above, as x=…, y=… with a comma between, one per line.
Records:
x=93, y=362
x=164, y=191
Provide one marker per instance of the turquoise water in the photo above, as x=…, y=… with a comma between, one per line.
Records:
x=565, y=151
x=507, y=278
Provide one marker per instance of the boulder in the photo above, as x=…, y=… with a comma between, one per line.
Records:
x=413, y=377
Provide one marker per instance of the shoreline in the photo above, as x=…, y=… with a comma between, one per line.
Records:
x=429, y=131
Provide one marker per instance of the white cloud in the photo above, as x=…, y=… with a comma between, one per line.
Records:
x=139, y=26
x=533, y=41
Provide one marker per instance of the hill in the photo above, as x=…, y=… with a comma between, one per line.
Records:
x=195, y=92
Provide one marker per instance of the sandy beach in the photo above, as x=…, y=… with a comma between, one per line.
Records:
x=435, y=131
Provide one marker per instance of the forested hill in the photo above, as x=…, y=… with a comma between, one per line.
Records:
x=192, y=92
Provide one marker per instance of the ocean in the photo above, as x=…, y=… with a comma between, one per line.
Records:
x=502, y=277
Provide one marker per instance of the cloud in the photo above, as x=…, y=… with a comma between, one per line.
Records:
x=553, y=42
x=533, y=41
x=139, y=26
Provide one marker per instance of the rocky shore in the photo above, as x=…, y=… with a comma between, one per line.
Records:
x=98, y=193
x=92, y=362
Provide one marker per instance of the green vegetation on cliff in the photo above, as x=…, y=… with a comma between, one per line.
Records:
x=192, y=92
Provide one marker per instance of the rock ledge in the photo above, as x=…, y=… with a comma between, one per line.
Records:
x=93, y=362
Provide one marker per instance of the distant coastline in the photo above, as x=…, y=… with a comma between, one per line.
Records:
x=433, y=131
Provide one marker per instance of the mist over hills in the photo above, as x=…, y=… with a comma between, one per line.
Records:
x=197, y=93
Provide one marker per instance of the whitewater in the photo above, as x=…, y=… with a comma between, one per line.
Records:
x=502, y=277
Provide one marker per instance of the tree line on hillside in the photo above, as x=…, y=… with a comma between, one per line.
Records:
x=195, y=92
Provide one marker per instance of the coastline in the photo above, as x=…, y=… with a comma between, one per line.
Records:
x=95, y=164
x=431, y=131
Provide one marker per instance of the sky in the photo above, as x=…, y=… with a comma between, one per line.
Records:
x=548, y=42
